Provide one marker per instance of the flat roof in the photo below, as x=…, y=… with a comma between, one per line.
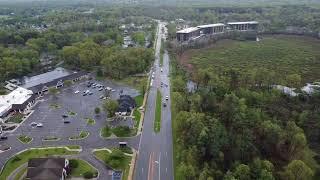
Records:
x=210, y=25
x=45, y=77
x=17, y=96
x=188, y=30
x=245, y=22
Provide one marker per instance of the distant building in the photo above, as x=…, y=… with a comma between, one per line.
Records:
x=126, y=104
x=187, y=34
x=47, y=169
x=16, y=101
x=212, y=28
x=243, y=26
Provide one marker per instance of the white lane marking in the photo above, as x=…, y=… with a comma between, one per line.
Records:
x=142, y=170
x=166, y=170
x=159, y=165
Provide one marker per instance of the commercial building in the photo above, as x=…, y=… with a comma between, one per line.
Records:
x=24, y=92
x=16, y=101
x=243, y=26
x=47, y=169
x=212, y=28
x=187, y=34
x=126, y=104
x=40, y=83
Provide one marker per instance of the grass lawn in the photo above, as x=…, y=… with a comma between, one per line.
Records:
x=282, y=54
x=55, y=106
x=17, y=118
x=123, y=163
x=19, y=159
x=20, y=173
x=157, y=121
x=127, y=150
x=161, y=52
x=90, y=121
x=83, y=167
x=24, y=139
x=123, y=131
x=135, y=82
x=105, y=132
x=82, y=135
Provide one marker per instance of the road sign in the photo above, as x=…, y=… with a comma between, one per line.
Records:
x=116, y=175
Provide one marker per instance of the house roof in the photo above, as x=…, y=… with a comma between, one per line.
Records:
x=188, y=30
x=45, y=168
x=210, y=25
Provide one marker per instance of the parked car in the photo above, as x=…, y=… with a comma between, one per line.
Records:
x=76, y=92
x=90, y=93
x=2, y=138
x=100, y=89
x=64, y=116
x=33, y=124
x=66, y=121
x=39, y=125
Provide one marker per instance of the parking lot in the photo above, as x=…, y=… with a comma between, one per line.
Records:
x=77, y=107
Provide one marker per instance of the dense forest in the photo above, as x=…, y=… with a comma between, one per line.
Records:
x=229, y=129
x=76, y=35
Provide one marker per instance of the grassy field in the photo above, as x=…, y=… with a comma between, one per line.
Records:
x=282, y=54
x=83, y=167
x=106, y=132
x=20, y=173
x=19, y=159
x=157, y=120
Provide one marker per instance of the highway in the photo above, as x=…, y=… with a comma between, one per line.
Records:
x=154, y=160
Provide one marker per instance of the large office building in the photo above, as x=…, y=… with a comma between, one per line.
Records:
x=212, y=28
x=244, y=26
x=188, y=33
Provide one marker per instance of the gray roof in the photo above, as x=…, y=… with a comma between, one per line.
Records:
x=45, y=77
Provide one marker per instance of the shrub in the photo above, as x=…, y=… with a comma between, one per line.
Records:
x=88, y=175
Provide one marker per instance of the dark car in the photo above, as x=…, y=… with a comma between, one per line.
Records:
x=90, y=93
x=3, y=138
x=66, y=122
x=65, y=116
x=164, y=105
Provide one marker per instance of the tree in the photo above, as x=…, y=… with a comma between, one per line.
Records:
x=294, y=80
x=97, y=110
x=138, y=38
x=297, y=170
x=110, y=106
x=115, y=158
x=242, y=172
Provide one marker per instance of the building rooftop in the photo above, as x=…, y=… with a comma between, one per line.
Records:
x=45, y=168
x=246, y=22
x=210, y=25
x=188, y=30
x=17, y=96
x=45, y=77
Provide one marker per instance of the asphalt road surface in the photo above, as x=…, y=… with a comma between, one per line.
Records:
x=155, y=154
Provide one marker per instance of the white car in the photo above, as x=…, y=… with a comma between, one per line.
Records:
x=167, y=98
x=161, y=70
x=76, y=92
x=33, y=124
x=39, y=125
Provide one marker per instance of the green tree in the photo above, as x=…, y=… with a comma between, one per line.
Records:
x=110, y=106
x=97, y=110
x=242, y=172
x=297, y=170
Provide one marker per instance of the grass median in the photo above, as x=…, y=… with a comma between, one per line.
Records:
x=157, y=120
x=23, y=157
x=24, y=139
x=80, y=168
x=82, y=135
